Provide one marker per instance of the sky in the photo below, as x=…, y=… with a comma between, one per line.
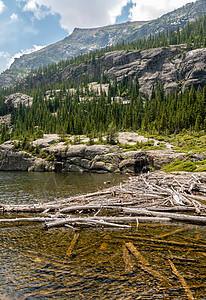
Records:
x=29, y=25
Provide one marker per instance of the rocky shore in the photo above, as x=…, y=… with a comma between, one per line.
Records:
x=56, y=156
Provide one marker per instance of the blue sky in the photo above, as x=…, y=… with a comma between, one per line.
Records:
x=28, y=25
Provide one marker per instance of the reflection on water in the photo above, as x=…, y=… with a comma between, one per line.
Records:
x=35, y=263
x=38, y=264
x=23, y=187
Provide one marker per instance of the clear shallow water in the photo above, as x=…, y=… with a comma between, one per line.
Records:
x=36, y=264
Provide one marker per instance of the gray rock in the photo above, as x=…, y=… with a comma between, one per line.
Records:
x=173, y=66
x=47, y=140
x=129, y=154
x=127, y=163
x=15, y=161
x=76, y=151
x=17, y=98
x=113, y=158
x=75, y=168
x=6, y=119
x=40, y=165
x=92, y=151
x=158, y=158
x=85, y=163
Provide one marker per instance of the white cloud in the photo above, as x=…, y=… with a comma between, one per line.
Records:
x=33, y=5
x=22, y=52
x=94, y=13
x=14, y=17
x=79, y=13
x=4, y=60
x=2, y=6
x=151, y=9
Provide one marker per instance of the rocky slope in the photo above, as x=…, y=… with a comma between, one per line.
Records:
x=172, y=66
x=86, y=40
x=82, y=158
x=79, y=42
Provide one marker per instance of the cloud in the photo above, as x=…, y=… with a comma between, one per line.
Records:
x=151, y=9
x=22, y=52
x=14, y=17
x=4, y=60
x=79, y=13
x=2, y=6
x=34, y=6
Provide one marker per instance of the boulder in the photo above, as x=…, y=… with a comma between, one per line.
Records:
x=75, y=151
x=84, y=163
x=158, y=158
x=94, y=150
x=15, y=161
x=46, y=141
x=16, y=99
x=40, y=165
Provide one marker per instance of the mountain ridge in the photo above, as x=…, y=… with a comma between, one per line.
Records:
x=85, y=40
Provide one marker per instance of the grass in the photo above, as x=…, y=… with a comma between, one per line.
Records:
x=185, y=141
x=186, y=166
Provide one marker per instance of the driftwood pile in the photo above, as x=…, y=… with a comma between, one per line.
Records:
x=153, y=197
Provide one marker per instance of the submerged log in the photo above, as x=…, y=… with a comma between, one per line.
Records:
x=127, y=260
x=137, y=254
x=144, y=264
x=72, y=245
x=181, y=279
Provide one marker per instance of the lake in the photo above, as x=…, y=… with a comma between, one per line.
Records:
x=38, y=264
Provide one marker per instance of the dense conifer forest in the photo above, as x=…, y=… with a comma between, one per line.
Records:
x=75, y=108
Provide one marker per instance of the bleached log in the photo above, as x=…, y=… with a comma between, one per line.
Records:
x=86, y=220
x=177, y=217
x=28, y=220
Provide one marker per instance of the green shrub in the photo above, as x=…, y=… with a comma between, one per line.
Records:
x=178, y=165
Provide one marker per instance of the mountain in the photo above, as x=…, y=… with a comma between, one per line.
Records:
x=85, y=40
x=173, y=66
x=179, y=17
x=79, y=42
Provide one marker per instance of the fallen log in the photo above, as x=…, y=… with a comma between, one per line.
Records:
x=173, y=209
x=28, y=220
x=137, y=254
x=177, y=217
x=143, y=264
x=61, y=222
x=127, y=260
x=104, y=223
x=181, y=279
x=72, y=245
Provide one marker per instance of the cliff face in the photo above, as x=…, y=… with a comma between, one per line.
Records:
x=172, y=66
x=85, y=40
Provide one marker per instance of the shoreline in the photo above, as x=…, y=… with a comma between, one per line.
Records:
x=154, y=197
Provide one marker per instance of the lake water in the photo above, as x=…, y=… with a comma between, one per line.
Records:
x=37, y=264
x=34, y=187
